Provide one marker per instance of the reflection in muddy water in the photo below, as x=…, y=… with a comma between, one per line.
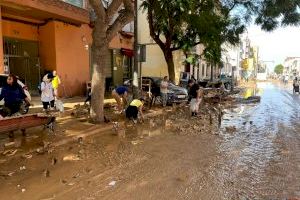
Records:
x=253, y=91
x=144, y=130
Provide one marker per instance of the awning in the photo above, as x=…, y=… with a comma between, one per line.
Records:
x=127, y=52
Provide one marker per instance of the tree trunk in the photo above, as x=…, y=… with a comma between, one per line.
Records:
x=100, y=55
x=171, y=67
x=211, y=71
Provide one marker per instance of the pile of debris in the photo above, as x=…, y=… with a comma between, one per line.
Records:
x=181, y=122
x=249, y=100
x=219, y=95
x=81, y=111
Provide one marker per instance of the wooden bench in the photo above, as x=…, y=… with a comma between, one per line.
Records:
x=23, y=122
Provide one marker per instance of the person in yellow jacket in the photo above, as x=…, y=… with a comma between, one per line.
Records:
x=135, y=107
x=55, y=83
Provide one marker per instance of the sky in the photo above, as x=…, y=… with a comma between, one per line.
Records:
x=277, y=45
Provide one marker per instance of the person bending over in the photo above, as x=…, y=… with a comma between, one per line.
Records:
x=120, y=95
x=134, y=108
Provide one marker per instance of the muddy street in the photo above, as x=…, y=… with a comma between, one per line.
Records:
x=255, y=154
x=263, y=156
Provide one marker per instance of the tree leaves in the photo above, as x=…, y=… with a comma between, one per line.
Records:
x=181, y=24
x=279, y=69
x=185, y=23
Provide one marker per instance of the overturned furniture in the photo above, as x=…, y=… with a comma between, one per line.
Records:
x=23, y=122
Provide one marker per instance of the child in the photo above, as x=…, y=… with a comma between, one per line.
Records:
x=135, y=107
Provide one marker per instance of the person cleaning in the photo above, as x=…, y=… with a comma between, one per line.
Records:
x=120, y=95
x=135, y=107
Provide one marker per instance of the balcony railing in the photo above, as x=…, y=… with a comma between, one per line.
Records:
x=77, y=3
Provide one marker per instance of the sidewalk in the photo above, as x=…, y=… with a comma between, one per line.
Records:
x=69, y=103
x=68, y=129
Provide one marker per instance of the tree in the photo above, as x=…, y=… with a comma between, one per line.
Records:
x=182, y=24
x=269, y=14
x=107, y=21
x=279, y=69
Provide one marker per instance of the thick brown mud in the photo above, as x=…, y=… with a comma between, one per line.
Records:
x=255, y=154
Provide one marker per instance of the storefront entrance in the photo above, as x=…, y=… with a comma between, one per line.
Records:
x=21, y=58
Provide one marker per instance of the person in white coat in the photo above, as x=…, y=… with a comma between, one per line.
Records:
x=47, y=95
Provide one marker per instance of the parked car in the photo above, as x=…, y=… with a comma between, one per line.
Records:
x=176, y=94
x=25, y=108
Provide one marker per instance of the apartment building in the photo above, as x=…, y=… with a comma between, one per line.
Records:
x=292, y=66
x=156, y=65
x=44, y=35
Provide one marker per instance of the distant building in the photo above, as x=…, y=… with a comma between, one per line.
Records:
x=156, y=65
x=292, y=66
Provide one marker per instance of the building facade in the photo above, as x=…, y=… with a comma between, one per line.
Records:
x=292, y=66
x=156, y=65
x=41, y=35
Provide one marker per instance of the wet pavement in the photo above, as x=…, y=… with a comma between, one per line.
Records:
x=262, y=159
x=254, y=155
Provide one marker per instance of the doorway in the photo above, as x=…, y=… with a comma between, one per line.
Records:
x=21, y=58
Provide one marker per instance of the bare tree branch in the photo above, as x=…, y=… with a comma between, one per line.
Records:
x=98, y=8
x=125, y=16
x=112, y=9
x=152, y=32
x=235, y=3
x=128, y=5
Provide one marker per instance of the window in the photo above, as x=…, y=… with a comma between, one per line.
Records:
x=78, y=3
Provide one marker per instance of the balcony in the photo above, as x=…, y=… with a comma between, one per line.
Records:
x=70, y=11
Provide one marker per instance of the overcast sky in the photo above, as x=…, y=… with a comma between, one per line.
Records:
x=277, y=45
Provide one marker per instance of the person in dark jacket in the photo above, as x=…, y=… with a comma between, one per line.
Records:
x=13, y=96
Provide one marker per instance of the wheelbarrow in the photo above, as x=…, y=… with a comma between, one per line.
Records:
x=23, y=122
